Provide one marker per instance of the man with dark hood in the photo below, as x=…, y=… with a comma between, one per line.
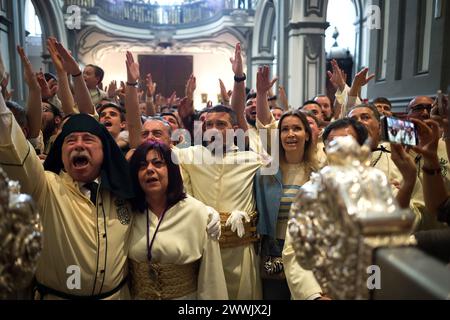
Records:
x=82, y=198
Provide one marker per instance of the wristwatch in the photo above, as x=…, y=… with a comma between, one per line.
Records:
x=132, y=84
x=240, y=79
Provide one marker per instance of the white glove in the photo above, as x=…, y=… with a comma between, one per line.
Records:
x=213, y=228
x=236, y=223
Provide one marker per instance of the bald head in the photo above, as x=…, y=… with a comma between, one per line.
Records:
x=420, y=108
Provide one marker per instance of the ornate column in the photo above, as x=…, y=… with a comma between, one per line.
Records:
x=306, y=50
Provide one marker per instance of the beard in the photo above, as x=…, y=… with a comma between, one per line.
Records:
x=250, y=121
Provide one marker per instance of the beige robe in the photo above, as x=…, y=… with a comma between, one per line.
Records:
x=255, y=140
x=76, y=233
x=302, y=283
x=226, y=184
x=182, y=239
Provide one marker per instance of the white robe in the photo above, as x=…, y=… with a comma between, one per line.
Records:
x=182, y=239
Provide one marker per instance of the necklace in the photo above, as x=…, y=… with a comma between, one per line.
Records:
x=153, y=271
x=374, y=163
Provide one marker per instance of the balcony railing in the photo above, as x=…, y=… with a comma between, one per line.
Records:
x=149, y=13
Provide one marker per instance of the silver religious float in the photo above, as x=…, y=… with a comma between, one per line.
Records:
x=342, y=216
x=20, y=238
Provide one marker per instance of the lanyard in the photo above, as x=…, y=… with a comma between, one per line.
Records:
x=150, y=243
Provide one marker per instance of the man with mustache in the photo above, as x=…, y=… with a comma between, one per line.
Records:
x=81, y=195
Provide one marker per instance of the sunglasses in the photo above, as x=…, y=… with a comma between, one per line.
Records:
x=421, y=107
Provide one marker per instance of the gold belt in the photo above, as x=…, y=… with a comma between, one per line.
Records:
x=154, y=281
x=230, y=239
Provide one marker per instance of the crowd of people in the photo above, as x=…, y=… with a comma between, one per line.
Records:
x=155, y=198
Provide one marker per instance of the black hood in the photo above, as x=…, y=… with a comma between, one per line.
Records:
x=114, y=173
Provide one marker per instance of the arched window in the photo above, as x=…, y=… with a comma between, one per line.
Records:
x=32, y=24
x=33, y=40
x=341, y=14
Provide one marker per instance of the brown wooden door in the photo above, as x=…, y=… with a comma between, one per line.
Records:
x=169, y=72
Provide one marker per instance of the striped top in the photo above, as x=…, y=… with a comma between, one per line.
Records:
x=294, y=177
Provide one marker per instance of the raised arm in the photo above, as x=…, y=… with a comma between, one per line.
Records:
x=238, y=96
x=407, y=168
x=263, y=85
x=34, y=108
x=64, y=93
x=224, y=94
x=132, y=102
x=17, y=157
x=434, y=190
x=361, y=79
x=338, y=80
x=150, y=106
x=81, y=92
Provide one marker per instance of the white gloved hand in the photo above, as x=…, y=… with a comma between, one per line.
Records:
x=213, y=228
x=236, y=223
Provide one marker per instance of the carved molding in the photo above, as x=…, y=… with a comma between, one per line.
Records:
x=313, y=46
x=314, y=7
x=266, y=31
x=95, y=44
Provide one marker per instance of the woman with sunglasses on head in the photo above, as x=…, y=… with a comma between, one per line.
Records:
x=282, y=277
x=171, y=255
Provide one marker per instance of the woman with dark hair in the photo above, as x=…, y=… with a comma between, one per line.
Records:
x=171, y=255
x=275, y=193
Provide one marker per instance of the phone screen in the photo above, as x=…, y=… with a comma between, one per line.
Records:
x=400, y=131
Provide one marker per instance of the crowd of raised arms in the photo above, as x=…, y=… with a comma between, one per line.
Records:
x=152, y=198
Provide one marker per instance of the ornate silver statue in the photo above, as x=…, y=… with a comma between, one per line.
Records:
x=20, y=238
x=341, y=216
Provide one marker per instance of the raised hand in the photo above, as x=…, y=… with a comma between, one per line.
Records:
x=151, y=86
x=34, y=109
x=54, y=55
x=68, y=62
x=407, y=167
x=29, y=76
x=337, y=77
x=185, y=108
x=224, y=93
x=361, y=78
x=172, y=99
x=404, y=162
x=442, y=115
x=121, y=91
x=191, y=85
x=263, y=82
x=46, y=92
x=53, y=86
x=112, y=89
x=236, y=62
x=283, y=97
x=428, y=132
x=133, y=74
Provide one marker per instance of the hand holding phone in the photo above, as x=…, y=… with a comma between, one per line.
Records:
x=395, y=130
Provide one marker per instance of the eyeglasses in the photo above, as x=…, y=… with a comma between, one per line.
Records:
x=421, y=107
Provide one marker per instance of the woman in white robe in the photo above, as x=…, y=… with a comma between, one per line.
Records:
x=171, y=255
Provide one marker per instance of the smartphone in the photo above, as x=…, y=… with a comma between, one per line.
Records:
x=399, y=131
